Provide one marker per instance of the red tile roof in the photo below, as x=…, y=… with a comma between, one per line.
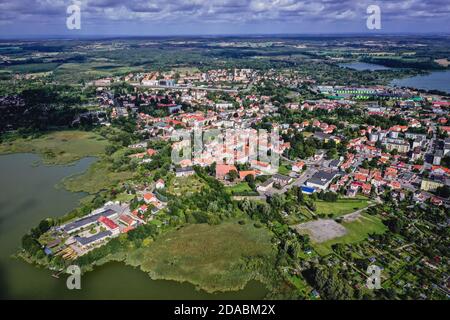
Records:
x=108, y=222
x=149, y=197
x=127, y=229
x=243, y=174
x=360, y=177
x=126, y=219
x=223, y=169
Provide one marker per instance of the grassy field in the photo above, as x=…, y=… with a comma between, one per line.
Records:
x=209, y=256
x=357, y=231
x=74, y=72
x=283, y=170
x=124, y=197
x=185, y=185
x=61, y=147
x=300, y=284
x=99, y=176
x=33, y=67
x=184, y=70
x=240, y=187
x=341, y=207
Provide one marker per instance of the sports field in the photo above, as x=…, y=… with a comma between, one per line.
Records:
x=325, y=233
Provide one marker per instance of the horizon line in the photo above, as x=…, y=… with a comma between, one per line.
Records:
x=194, y=35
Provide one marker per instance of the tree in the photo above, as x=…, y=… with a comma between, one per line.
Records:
x=331, y=284
x=250, y=179
x=45, y=225
x=328, y=196
x=443, y=191
x=110, y=149
x=293, y=249
x=232, y=175
x=394, y=224
x=332, y=153
x=245, y=205
x=445, y=162
x=263, y=212
x=276, y=201
x=30, y=245
x=212, y=169
x=299, y=194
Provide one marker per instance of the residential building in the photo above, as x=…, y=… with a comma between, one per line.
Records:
x=184, y=172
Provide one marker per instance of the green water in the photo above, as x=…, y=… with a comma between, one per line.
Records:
x=27, y=195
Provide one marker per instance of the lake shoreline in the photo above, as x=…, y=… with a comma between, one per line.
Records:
x=153, y=276
x=432, y=81
x=118, y=258
x=21, y=260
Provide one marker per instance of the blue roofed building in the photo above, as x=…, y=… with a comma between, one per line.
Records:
x=307, y=190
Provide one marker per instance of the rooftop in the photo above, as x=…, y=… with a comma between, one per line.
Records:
x=322, y=177
x=87, y=240
x=88, y=220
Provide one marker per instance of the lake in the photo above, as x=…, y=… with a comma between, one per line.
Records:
x=28, y=195
x=363, y=66
x=437, y=80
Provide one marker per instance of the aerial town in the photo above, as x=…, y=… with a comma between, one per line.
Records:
x=282, y=176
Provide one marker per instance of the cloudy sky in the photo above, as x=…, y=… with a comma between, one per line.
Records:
x=183, y=17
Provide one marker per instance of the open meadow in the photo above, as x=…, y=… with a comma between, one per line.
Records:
x=60, y=147
x=213, y=257
x=341, y=206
